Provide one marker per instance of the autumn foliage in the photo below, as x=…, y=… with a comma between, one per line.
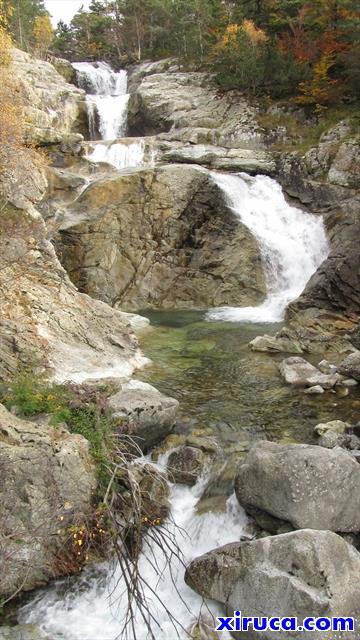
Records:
x=308, y=50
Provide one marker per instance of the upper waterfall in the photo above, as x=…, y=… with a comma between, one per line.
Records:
x=107, y=98
x=292, y=243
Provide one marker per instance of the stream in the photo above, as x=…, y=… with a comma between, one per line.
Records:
x=225, y=392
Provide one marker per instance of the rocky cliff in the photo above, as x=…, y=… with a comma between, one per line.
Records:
x=161, y=237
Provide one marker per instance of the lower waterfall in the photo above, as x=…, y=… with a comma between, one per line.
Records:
x=94, y=607
x=292, y=244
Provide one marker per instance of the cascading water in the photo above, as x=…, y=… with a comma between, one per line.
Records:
x=95, y=607
x=292, y=244
x=119, y=154
x=107, y=98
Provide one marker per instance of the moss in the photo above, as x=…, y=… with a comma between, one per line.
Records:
x=84, y=413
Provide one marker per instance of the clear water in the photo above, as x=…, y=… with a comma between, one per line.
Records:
x=225, y=391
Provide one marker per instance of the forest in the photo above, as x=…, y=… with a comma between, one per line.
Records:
x=308, y=51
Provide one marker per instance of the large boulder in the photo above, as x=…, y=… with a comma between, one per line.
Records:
x=47, y=485
x=148, y=416
x=45, y=322
x=301, y=373
x=351, y=366
x=52, y=106
x=302, y=573
x=161, y=237
x=306, y=485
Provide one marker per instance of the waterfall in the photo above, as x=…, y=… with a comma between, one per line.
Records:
x=119, y=154
x=107, y=98
x=95, y=606
x=292, y=244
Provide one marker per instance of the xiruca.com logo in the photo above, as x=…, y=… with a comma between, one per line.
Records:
x=238, y=622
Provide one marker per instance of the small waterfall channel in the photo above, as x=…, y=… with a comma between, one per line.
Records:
x=107, y=106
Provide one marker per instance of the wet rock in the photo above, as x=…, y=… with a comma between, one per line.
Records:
x=186, y=464
x=326, y=367
x=336, y=426
x=333, y=434
x=285, y=575
x=335, y=286
x=204, y=630
x=22, y=632
x=307, y=485
x=301, y=373
x=331, y=439
x=153, y=490
x=275, y=344
x=145, y=414
x=47, y=484
x=351, y=366
x=316, y=390
x=268, y=523
x=349, y=382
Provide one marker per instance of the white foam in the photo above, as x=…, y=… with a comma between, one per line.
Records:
x=292, y=244
x=107, y=98
x=95, y=607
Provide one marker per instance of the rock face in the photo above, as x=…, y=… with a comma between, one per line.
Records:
x=186, y=464
x=295, y=574
x=351, y=366
x=307, y=485
x=160, y=238
x=301, y=373
x=187, y=106
x=249, y=160
x=45, y=322
x=52, y=106
x=327, y=177
x=22, y=632
x=149, y=415
x=47, y=485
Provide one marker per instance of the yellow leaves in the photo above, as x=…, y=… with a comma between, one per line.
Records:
x=230, y=39
x=229, y=36
x=5, y=14
x=321, y=88
x=43, y=33
x=255, y=34
x=5, y=46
